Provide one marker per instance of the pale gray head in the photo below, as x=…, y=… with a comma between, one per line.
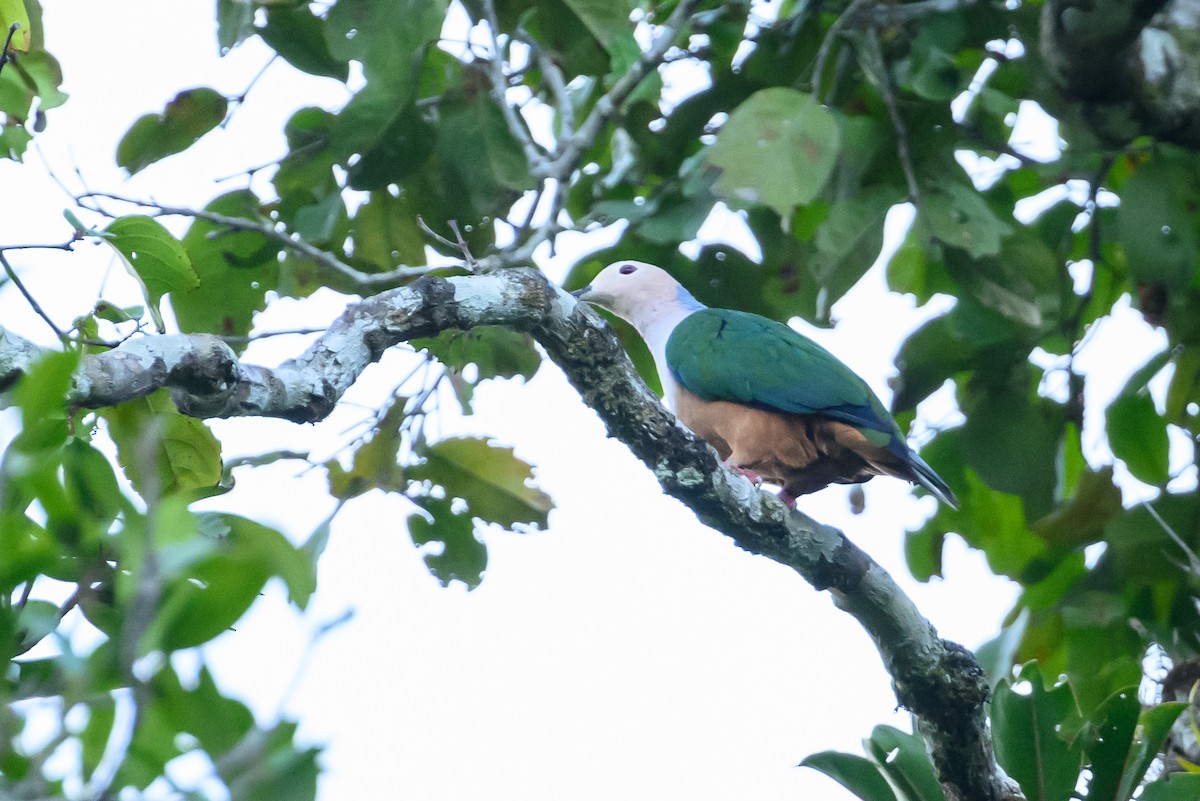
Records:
x=638, y=293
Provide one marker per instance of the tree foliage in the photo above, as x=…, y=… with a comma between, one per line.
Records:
x=811, y=122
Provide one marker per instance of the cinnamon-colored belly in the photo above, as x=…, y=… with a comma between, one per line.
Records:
x=802, y=453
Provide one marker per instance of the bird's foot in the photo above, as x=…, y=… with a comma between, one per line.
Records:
x=788, y=500
x=755, y=478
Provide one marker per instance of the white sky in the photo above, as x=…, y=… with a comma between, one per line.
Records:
x=627, y=651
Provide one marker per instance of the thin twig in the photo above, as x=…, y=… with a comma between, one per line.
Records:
x=462, y=245
x=12, y=31
x=570, y=150
x=889, y=100
x=12, y=276
x=520, y=131
x=244, y=338
x=835, y=30
x=288, y=240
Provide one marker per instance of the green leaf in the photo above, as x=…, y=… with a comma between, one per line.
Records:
x=162, y=451
x=493, y=482
x=14, y=11
x=299, y=36
x=376, y=464
x=1185, y=386
x=218, y=589
x=1025, y=727
x=903, y=758
x=463, y=556
x=609, y=23
x=495, y=351
x=1081, y=520
x=236, y=269
x=1154, y=224
x=474, y=142
x=1153, y=729
x=385, y=232
x=1174, y=787
x=1138, y=436
x=95, y=735
x=190, y=115
x=777, y=149
x=958, y=215
x=1107, y=740
x=155, y=259
x=235, y=22
x=857, y=774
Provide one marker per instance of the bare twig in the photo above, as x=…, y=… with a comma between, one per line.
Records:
x=889, y=100
x=242, y=340
x=569, y=151
x=4, y=54
x=29, y=298
x=291, y=241
x=516, y=126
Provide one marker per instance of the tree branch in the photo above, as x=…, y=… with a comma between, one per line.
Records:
x=1134, y=67
x=938, y=681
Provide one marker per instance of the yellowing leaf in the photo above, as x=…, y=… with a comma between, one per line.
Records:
x=13, y=12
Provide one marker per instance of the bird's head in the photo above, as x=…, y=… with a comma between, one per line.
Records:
x=636, y=292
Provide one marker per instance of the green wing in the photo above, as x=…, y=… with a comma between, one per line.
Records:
x=721, y=354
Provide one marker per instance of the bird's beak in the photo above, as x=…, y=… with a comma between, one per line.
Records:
x=581, y=294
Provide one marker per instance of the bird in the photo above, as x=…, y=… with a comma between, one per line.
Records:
x=774, y=404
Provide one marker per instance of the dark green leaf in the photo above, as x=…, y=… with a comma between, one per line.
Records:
x=1155, y=226
x=857, y=774
x=1138, y=435
x=496, y=352
x=957, y=215
x=235, y=22
x=494, y=483
x=1025, y=727
x=1107, y=740
x=903, y=758
x=236, y=269
x=1175, y=787
x=463, y=556
x=299, y=36
x=1154, y=726
x=188, y=117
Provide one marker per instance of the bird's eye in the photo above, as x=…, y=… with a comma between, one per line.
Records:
x=627, y=269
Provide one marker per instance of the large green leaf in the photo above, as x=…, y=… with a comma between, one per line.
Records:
x=1175, y=787
x=299, y=36
x=1026, y=729
x=1107, y=740
x=189, y=116
x=155, y=259
x=235, y=268
x=463, y=555
x=1138, y=435
x=1154, y=224
x=494, y=483
x=903, y=758
x=162, y=451
x=857, y=774
x=1153, y=728
x=777, y=149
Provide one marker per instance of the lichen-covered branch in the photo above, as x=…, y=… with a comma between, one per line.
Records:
x=1135, y=67
x=937, y=680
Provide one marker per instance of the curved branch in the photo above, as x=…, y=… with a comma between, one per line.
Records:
x=937, y=680
x=1135, y=66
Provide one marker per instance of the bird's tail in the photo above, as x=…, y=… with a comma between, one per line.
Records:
x=924, y=475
